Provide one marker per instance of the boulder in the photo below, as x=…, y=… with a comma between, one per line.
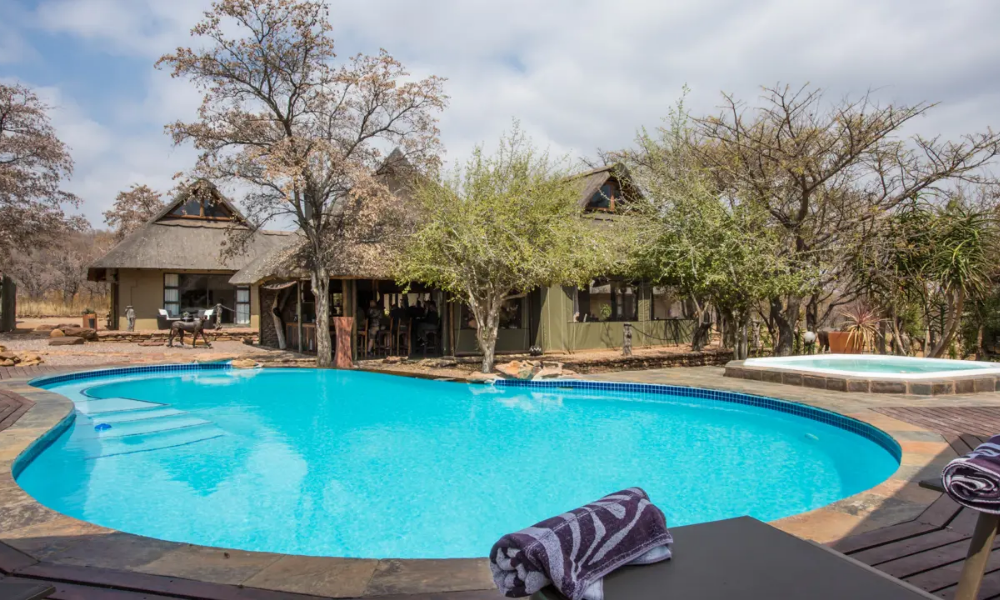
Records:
x=392, y=360
x=478, y=377
x=7, y=363
x=45, y=328
x=66, y=341
x=548, y=373
x=518, y=369
x=3, y=348
x=245, y=363
x=148, y=343
x=65, y=326
x=4, y=355
x=57, y=333
x=81, y=332
x=30, y=359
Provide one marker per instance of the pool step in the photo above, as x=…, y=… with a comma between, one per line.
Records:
x=102, y=447
x=135, y=415
x=101, y=406
x=141, y=426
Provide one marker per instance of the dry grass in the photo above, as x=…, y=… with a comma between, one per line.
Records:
x=56, y=307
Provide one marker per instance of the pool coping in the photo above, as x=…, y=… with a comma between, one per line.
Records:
x=916, y=386
x=39, y=540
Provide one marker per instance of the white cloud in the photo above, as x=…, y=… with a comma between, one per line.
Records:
x=579, y=74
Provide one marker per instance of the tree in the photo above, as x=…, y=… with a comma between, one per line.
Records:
x=501, y=227
x=714, y=248
x=131, y=210
x=33, y=165
x=825, y=172
x=303, y=135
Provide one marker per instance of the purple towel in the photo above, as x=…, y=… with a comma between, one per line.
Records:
x=575, y=550
x=973, y=480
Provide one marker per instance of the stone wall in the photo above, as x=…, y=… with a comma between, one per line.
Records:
x=650, y=361
x=228, y=334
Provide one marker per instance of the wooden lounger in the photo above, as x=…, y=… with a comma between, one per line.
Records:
x=10, y=590
x=747, y=559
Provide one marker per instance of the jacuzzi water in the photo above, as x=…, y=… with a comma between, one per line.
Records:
x=341, y=463
x=880, y=365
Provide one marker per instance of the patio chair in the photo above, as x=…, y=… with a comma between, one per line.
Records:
x=164, y=320
x=745, y=558
x=401, y=336
x=980, y=547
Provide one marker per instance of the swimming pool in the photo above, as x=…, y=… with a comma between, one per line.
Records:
x=884, y=367
x=347, y=463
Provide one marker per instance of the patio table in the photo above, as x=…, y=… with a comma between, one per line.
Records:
x=750, y=560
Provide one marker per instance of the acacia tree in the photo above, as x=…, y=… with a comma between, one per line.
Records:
x=131, y=210
x=825, y=172
x=303, y=134
x=501, y=227
x=33, y=165
x=713, y=248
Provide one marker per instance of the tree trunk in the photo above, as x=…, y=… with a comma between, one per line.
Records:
x=953, y=319
x=279, y=327
x=812, y=313
x=487, y=314
x=880, y=344
x=324, y=343
x=786, y=317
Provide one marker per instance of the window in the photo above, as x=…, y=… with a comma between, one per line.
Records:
x=171, y=295
x=511, y=315
x=605, y=300
x=194, y=292
x=604, y=198
x=243, y=306
x=202, y=209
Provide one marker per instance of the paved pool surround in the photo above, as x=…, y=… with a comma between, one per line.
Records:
x=36, y=540
x=859, y=384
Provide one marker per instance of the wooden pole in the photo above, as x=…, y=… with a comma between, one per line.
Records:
x=298, y=311
x=8, y=304
x=979, y=554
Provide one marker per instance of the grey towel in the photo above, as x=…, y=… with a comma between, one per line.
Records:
x=575, y=550
x=973, y=480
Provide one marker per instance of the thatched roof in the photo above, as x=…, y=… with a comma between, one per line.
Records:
x=172, y=243
x=288, y=263
x=591, y=181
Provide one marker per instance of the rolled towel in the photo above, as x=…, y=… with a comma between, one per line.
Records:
x=973, y=480
x=575, y=550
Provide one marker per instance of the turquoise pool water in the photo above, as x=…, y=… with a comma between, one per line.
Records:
x=875, y=364
x=340, y=463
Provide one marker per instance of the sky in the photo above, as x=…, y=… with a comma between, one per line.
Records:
x=580, y=75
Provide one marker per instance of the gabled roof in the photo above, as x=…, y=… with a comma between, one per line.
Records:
x=173, y=243
x=592, y=180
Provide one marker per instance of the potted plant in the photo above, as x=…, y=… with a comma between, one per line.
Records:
x=89, y=319
x=859, y=332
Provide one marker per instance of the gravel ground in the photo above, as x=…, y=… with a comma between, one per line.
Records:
x=115, y=353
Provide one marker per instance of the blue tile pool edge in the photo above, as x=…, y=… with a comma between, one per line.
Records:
x=870, y=432
x=40, y=444
x=205, y=366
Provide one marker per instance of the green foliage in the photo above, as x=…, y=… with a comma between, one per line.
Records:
x=503, y=225
x=712, y=247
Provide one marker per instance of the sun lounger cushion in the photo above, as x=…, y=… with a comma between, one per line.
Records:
x=973, y=480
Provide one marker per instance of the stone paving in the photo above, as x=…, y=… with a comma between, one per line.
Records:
x=47, y=544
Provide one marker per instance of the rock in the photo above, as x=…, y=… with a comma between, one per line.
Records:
x=392, y=360
x=549, y=364
x=518, y=370
x=45, y=328
x=66, y=341
x=57, y=333
x=548, y=373
x=478, y=377
x=248, y=341
x=82, y=332
x=569, y=373
x=3, y=348
x=4, y=355
x=65, y=326
x=148, y=343
x=7, y=363
x=244, y=363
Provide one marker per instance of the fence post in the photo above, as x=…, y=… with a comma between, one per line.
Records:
x=8, y=304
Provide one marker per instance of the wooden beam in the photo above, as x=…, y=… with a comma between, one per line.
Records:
x=979, y=554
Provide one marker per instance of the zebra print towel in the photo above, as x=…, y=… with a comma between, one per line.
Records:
x=973, y=480
x=575, y=550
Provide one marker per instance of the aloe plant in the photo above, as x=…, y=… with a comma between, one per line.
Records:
x=862, y=324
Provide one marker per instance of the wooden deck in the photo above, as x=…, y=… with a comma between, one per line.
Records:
x=928, y=552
